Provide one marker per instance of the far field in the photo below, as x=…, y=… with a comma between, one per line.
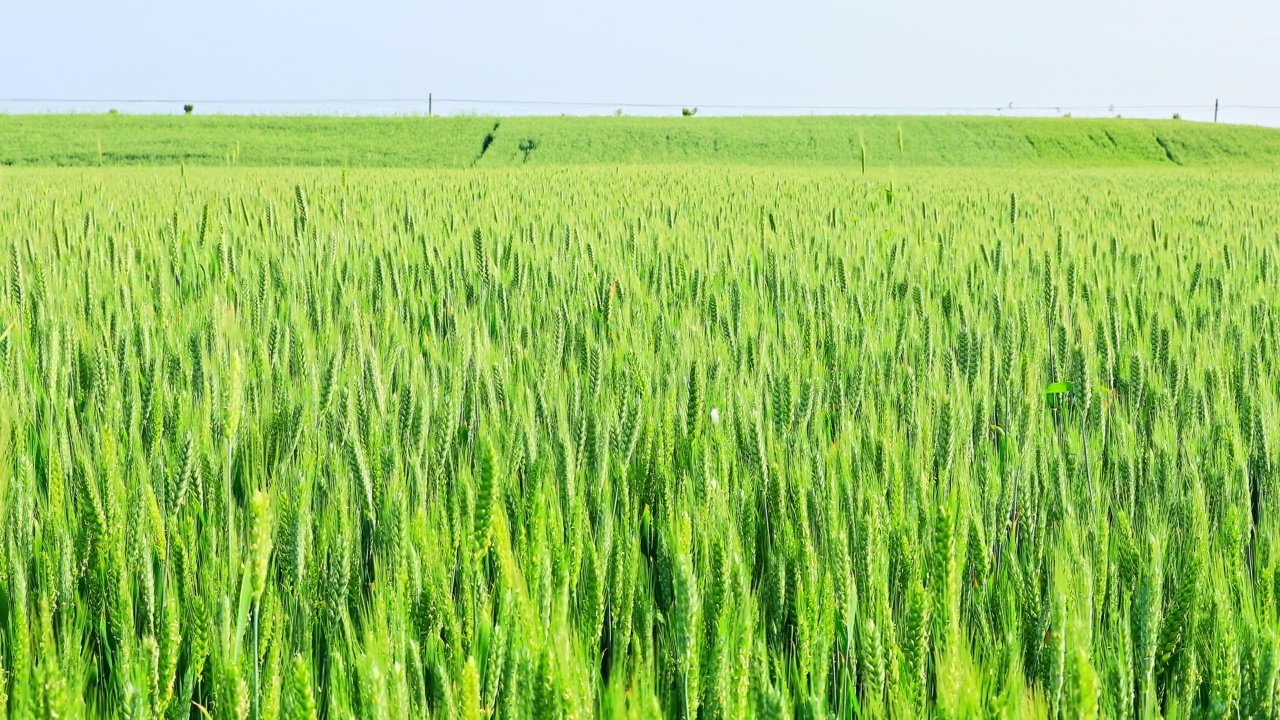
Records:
x=457, y=142
x=686, y=418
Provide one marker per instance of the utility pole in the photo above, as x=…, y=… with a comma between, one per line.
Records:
x=1215, y=110
x=429, y=102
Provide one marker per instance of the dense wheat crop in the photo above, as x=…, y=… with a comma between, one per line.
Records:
x=637, y=442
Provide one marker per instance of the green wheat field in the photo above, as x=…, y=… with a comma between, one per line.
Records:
x=976, y=419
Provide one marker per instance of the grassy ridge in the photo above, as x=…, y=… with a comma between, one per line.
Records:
x=884, y=142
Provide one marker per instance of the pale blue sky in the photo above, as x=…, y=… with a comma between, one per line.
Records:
x=887, y=53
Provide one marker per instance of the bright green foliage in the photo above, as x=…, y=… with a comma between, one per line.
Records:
x=299, y=698
x=866, y=143
x=700, y=443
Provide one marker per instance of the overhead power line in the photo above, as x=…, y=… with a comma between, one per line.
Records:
x=635, y=105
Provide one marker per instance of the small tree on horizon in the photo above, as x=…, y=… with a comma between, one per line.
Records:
x=188, y=108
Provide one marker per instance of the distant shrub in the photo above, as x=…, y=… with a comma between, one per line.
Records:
x=688, y=112
x=528, y=146
x=1177, y=116
x=113, y=111
x=188, y=108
